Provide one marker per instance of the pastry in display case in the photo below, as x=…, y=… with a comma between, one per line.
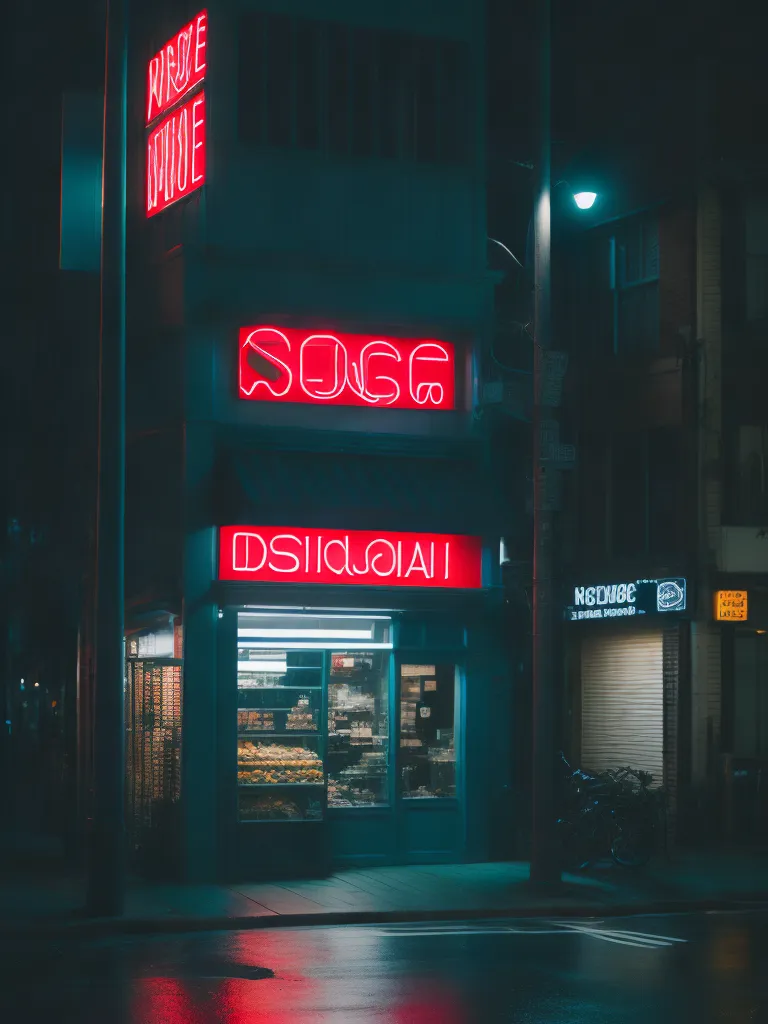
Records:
x=279, y=807
x=279, y=694
x=358, y=729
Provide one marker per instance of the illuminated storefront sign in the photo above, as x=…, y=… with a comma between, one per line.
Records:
x=176, y=155
x=178, y=67
x=731, y=605
x=288, y=365
x=279, y=554
x=623, y=600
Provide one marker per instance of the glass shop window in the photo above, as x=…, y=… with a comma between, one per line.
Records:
x=280, y=771
x=358, y=729
x=428, y=699
x=293, y=758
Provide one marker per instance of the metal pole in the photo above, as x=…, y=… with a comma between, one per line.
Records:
x=545, y=871
x=106, y=846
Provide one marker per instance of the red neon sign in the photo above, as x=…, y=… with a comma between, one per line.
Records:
x=289, y=365
x=280, y=554
x=178, y=67
x=176, y=155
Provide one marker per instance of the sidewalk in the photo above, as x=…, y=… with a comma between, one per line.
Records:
x=690, y=881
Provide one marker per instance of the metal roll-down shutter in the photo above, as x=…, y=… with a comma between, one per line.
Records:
x=622, y=717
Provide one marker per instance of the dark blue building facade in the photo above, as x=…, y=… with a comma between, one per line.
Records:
x=280, y=727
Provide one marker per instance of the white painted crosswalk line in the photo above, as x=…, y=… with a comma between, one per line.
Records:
x=595, y=930
x=642, y=940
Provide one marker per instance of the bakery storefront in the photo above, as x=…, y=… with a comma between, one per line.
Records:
x=354, y=721
x=623, y=667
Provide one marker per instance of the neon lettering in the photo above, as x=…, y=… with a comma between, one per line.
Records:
x=425, y=392
x=367, y=557
x=381, y=554
x=631, y=591
x=422, y=566
x=344, y=545
x=285, y=554
x=327, y=344
x=245, y=549
x=178, y=67
x=262, y=341
x=176, y=156
x=343, y=369
x=360, y=374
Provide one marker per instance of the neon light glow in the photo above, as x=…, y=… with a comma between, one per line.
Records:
x=289, y=365
x=278, y=554
x=176, y=155
x=178, y=67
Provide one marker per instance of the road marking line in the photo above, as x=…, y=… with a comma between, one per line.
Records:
x=624, y=938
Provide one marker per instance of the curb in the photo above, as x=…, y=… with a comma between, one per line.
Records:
x=107, y=927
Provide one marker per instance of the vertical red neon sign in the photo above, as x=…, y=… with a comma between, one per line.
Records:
x=178, y=67
x=176, y=155
x=176, y=145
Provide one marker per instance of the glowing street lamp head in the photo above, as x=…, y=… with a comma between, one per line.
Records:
x=585, y=200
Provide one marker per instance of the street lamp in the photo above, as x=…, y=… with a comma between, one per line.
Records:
x=585, y=200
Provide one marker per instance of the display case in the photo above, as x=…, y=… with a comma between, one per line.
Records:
x=428, y=697
x=280, y=769
x=358, y=729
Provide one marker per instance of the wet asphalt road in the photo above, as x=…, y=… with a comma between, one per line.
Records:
x=664, y=970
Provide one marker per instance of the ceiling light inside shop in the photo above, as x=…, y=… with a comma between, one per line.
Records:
x=317, y=645
x=262, y=666
x=312, y=634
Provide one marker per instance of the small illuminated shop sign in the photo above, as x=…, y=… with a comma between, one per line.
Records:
x=731, y=606
x=321, y=368
x=279, y=554
x=627, y=599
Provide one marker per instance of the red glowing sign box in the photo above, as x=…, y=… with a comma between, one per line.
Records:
x=290, y=365
x=176, y=155
x=178, y=67
x=281, y=554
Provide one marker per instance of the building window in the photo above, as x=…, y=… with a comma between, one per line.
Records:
x=630, y=489
x=634, y=283
x=750, y=496
x=629, y=495
x=756, y=258
x=352, y=91
x=428, y=698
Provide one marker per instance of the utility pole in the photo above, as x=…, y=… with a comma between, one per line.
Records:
x=106, y=838
x=545, y=871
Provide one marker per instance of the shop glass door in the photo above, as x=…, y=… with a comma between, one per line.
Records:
x=429, y=698
x=358, y=729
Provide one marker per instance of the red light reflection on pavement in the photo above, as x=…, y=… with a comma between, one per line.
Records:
x=431, y=1006
x=166, y=1001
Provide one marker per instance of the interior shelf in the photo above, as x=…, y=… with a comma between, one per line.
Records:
x=269, y=734
x=275, y=785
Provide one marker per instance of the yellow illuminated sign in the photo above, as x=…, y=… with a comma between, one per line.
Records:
x=731, y=605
